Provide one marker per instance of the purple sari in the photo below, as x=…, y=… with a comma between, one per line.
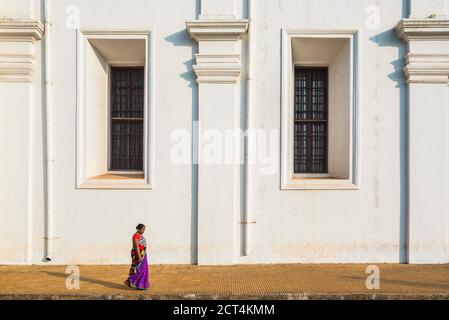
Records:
x=138, y=273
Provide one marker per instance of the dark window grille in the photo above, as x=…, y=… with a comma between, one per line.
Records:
x=127, y=118
x=311, y=121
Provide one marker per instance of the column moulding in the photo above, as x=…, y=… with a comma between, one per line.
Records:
x=217, y=67
x=217, y=30
x=425, y=67
x=17, y=63
x=21, y=30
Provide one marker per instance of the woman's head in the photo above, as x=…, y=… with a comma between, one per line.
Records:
x=140, y=228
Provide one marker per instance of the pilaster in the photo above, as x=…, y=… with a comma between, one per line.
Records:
x=427, y=73
x=17, y=128
x=218, y=70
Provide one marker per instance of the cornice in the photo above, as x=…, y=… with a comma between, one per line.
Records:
x=423, y=29
x=16, y=67
x=115, y=32
x=21, y=30
x=427, y=68
x=217, y=68
x=217, y=74
x=217, y=29
x=217, y=58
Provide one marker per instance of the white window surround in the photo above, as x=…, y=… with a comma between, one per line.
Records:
x=84, y=177
x=289, y=180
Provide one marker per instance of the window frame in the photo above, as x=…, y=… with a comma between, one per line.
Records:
x=325, y=173
x=109, y=165
x=143, y=179
x=288, y=179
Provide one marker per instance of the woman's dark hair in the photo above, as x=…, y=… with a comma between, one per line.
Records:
x=140, y=226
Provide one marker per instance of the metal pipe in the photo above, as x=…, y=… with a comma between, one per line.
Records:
x=48, y=136
x=247, y=214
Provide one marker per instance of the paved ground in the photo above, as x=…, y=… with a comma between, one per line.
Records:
x=234, y=282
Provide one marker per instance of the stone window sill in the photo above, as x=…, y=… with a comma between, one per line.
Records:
x=113, y=180
x=319, y=183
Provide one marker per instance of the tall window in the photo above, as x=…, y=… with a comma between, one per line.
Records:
x=311, y=121
x=127, y=119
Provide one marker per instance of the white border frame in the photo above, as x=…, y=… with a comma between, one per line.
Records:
x=83, y=182
x=290, y=181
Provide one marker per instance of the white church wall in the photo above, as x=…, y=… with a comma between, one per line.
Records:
x=335, y=226
x=363, y=223
x=94, y=226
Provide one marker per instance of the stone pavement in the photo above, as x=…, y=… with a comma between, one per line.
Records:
x=229, y=282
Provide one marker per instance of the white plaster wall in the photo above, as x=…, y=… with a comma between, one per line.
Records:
x=95, y=226
x=19, y=9
x=365, y=225
x=428, y=211
x=14, y=175
x=426, y=8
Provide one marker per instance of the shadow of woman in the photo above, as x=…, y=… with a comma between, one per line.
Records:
x=111, y=285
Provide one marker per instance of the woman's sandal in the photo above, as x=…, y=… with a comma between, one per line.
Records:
x=127, y=283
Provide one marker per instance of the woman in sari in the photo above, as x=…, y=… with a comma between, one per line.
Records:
x=138, y=273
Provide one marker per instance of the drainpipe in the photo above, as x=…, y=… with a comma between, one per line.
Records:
x=247, y=215
x=48, y=136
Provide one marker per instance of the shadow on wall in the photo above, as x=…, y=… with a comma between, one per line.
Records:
x=390, y=39
x=182, y=39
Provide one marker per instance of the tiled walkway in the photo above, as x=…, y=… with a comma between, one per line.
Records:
x=231, y=282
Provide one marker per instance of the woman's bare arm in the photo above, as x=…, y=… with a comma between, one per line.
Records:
x=136, y=245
